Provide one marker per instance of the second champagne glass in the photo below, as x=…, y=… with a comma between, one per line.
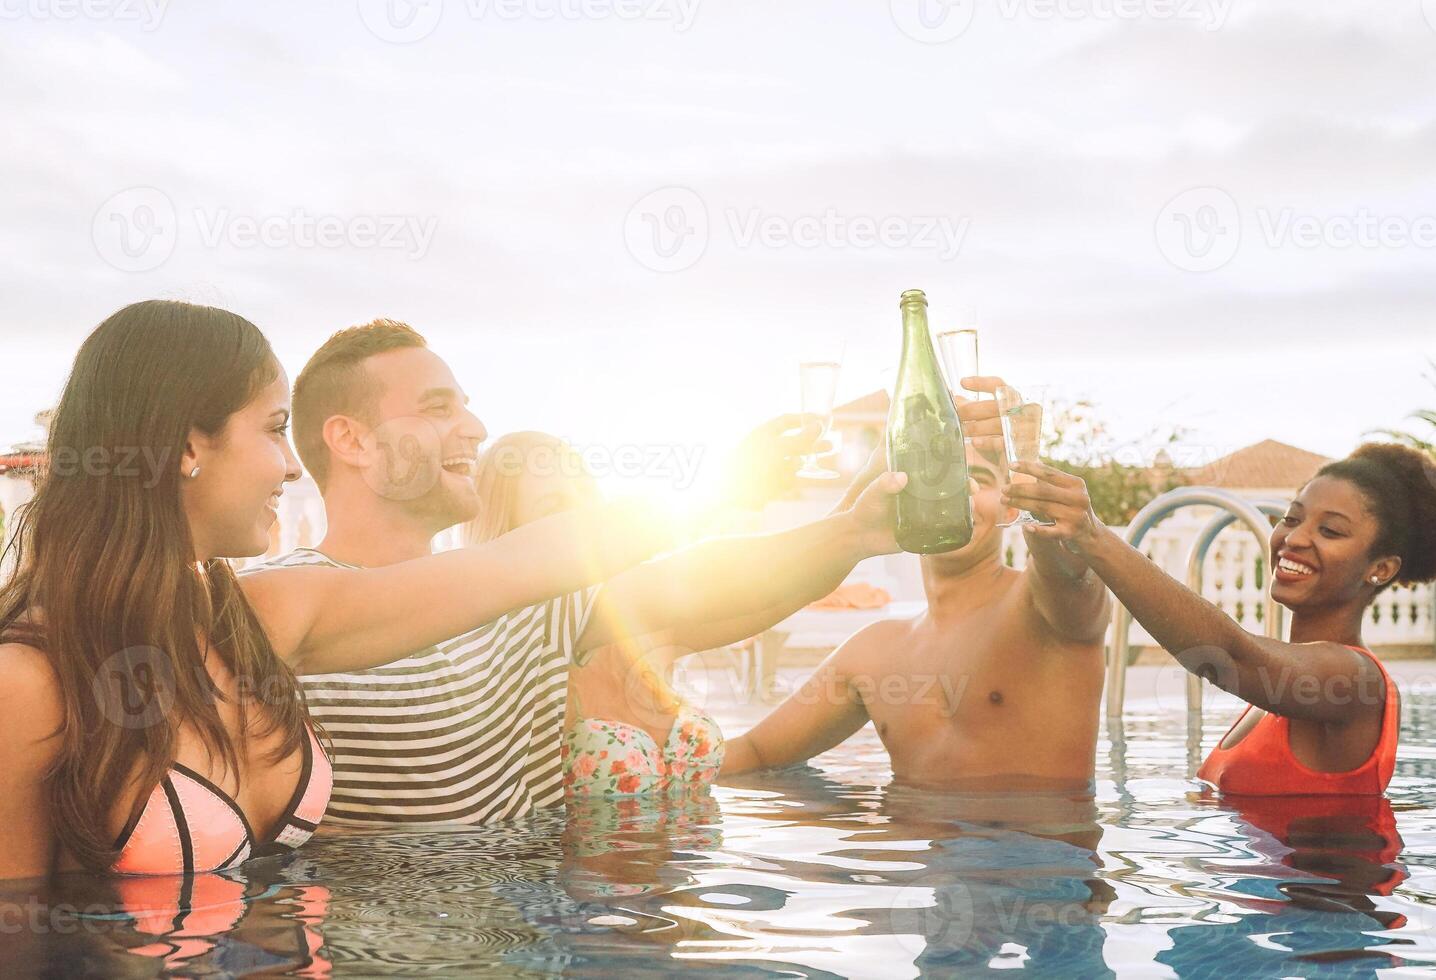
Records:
x=1022, y=436
x=959, y=356
x=818, y=381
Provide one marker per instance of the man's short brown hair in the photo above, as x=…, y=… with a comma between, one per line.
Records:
x=336, y=382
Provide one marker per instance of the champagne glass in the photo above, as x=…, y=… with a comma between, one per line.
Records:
x=1022, y=436
x=819, y=384
x=959, y=357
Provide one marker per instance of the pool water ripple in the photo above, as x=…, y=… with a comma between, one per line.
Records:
x=827, y=870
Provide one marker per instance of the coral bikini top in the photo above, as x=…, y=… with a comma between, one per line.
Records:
x=190, y=825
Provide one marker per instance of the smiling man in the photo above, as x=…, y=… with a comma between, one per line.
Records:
x=996, y=686
x=469, y=731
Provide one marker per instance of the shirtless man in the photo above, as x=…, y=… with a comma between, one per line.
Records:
x=996, y=685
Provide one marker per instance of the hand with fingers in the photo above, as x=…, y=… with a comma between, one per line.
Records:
x=875, y=512
x=980, y=422
x=1057, y=497
x=765, y=464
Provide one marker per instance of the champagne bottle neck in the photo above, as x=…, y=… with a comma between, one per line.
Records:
x=916, y=341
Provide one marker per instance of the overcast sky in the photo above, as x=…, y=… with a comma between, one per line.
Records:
x=627, y=221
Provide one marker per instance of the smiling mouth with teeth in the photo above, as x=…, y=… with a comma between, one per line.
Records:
x=461, y=465
x=1294, y=567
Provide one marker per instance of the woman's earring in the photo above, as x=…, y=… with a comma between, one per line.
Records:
x=195, y=472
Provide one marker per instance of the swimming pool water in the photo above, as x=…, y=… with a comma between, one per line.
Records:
x=823, y=871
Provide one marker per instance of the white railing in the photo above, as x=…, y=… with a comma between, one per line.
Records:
x=1235, y=576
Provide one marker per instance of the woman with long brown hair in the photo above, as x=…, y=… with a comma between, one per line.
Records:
x=153, y=720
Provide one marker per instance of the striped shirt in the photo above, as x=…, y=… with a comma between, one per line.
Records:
x=466, y=731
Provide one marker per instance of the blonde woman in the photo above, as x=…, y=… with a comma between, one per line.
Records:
x=626, y=731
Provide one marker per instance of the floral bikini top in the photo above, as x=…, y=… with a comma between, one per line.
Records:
x=613, y=758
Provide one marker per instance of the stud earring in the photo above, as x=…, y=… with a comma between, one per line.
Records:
x=195, y=472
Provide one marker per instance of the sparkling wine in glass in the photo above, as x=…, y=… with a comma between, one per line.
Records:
x=959, y=357
x=1022, y=438
x=818, y=381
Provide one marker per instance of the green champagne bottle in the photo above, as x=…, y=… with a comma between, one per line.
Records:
x=934, y=510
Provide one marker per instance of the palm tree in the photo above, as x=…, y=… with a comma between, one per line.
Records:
x=1427, y=442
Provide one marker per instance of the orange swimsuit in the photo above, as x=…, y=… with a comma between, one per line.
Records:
x=1263, y=764
x=190, y=825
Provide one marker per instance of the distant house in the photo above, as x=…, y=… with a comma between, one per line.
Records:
x=1265, y=469
x=18, y=468
x=17, y=485
x=857, y=430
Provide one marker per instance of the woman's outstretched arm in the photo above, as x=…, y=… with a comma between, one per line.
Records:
x=1319, y=681
x=329, y=620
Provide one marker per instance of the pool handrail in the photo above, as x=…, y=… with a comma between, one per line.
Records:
x=1253, y=515
x=1273, y=613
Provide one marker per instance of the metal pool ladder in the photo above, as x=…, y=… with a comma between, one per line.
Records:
x=1231, y=508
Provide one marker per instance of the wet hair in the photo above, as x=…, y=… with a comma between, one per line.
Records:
x=1399, y=484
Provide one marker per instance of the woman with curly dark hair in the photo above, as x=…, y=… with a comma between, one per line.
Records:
x=1323, y=713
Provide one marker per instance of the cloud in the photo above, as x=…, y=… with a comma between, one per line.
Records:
x=528, y=144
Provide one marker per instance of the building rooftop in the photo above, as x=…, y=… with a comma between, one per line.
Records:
x=871, y=405
x=21, y=461
x=1268, y=465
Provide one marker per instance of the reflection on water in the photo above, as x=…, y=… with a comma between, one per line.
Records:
x=827, y=871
